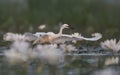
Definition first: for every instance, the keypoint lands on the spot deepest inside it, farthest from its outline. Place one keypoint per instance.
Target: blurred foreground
(79, 65)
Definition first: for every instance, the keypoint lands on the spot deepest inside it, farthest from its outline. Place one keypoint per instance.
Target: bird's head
(65, 26)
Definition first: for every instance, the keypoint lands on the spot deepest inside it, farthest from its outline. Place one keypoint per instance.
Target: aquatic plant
(68, 48)
(19, 52)
(41, 27)
(111, 45)
(49, 54)
(18, 37)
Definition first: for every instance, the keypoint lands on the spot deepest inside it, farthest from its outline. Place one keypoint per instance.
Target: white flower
(18, 37)
(41, 27)
(20, 46)
(14, 57)
(49, 54)
(75, 34)
(68, 48)
(111, 45)
(45, 47)
(113, 60)
(19, 52)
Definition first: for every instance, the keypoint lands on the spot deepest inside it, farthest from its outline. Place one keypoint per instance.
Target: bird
(61, 38)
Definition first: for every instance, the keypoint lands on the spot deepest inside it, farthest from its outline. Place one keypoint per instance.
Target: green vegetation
(86, 16)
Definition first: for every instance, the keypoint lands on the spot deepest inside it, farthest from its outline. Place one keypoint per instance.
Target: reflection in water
(110, 70)
(79, 65)
(112, 60)
(49, 54)
(19, 52)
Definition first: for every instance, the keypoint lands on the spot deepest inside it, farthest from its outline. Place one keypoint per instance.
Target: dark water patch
(82, 64)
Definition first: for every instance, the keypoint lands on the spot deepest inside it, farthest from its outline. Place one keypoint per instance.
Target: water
(78, 64)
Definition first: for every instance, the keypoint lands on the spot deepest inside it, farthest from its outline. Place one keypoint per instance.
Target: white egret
(59, 38)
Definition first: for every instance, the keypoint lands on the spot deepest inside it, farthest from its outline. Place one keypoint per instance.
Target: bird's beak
(67, 27)
(71, 27)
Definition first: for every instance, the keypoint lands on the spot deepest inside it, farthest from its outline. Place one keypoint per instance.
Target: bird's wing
(30, 36)
(39, 34)
(63, 38)
(95, 37)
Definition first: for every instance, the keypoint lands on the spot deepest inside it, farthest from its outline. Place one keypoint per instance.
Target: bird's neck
(61, 29)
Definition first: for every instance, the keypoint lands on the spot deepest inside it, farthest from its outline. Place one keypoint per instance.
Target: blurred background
(86, 16)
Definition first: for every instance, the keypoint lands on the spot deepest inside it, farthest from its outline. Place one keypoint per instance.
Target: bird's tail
(95, 37)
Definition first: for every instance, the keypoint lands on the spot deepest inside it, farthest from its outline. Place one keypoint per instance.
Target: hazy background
(86, 16)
